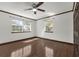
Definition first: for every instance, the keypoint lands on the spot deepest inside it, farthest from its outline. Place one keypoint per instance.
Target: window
(26, 26)
(49, 26)
(19, 26)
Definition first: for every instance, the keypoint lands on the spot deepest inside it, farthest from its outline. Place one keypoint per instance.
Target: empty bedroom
(39, 29)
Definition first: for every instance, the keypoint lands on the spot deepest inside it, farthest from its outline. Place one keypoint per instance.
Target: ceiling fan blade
(41, 10)
(40, 3)
(34, 12)
(28, 9)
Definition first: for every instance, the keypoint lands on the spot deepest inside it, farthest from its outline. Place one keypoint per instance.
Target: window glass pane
(21, 25)
(49, 26)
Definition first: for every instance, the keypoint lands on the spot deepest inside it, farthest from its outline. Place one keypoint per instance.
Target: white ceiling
(50, 7)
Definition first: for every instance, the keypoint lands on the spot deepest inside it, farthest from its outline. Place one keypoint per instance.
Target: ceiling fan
(35, 7)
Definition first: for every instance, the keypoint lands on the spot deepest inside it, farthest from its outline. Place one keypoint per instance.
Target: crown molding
(39, 18)
(16, 15)
(56, 14)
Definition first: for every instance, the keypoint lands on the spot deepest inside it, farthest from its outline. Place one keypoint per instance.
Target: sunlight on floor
(22, 52)
(48, 52)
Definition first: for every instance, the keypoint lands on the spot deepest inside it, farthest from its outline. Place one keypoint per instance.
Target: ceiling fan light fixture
(34, 9)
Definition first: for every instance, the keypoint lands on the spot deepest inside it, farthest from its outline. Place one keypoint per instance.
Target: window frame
(23, 20)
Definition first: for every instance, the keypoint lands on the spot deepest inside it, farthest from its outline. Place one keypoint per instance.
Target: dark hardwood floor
(37, 47)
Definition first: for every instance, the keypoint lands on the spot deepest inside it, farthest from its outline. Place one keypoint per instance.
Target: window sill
(22, 32)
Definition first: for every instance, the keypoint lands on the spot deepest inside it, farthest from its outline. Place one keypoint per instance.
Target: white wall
(63, 28)
(5, 29)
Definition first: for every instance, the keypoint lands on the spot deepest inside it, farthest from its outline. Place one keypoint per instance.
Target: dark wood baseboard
(33, 38)
(17, 41)
(56, 41)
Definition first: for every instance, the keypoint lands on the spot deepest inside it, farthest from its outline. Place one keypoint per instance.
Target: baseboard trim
(33, 38)
(17, 41)
(56, 41)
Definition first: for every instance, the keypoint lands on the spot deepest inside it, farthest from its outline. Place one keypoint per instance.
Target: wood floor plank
(37, 47)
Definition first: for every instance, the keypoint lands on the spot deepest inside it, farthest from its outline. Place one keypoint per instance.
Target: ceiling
(50, 7)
